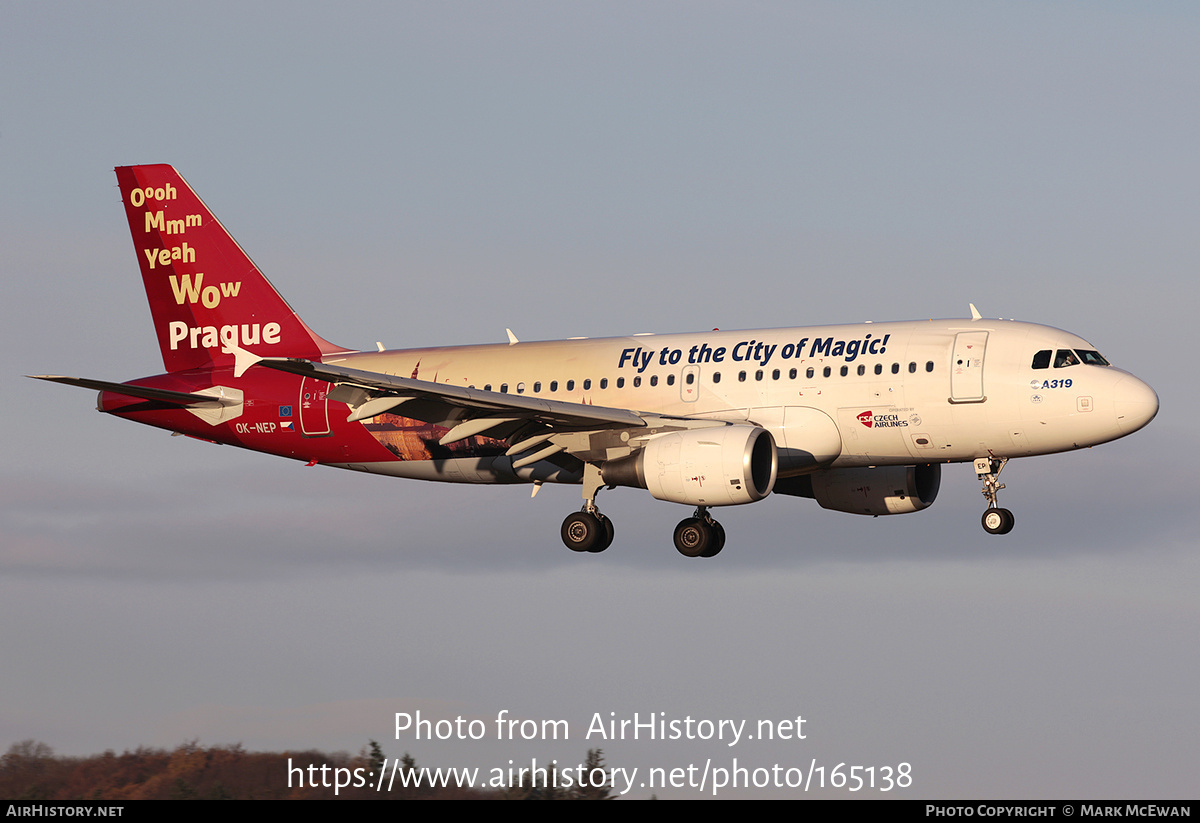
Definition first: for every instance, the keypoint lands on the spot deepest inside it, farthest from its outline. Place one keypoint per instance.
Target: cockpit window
(1064, 358)
(1091, 358)
(1041, 360)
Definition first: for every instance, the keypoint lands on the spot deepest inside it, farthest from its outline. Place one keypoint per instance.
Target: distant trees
(589, 790)
(551, 783)
(29, 770)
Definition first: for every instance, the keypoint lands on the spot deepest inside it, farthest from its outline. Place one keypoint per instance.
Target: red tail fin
(205, 293)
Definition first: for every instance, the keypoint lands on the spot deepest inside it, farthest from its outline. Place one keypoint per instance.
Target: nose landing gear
(995, 519)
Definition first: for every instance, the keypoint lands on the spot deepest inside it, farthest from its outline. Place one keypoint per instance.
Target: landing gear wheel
(998, 521)
(584, 532)
(606, 540)
(693, 537)
(718, 542)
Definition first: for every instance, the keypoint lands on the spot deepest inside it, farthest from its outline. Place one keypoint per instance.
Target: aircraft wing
(535, 427)
(441, 402)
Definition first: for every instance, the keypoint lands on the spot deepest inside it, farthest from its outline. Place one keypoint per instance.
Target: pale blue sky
(433, 173)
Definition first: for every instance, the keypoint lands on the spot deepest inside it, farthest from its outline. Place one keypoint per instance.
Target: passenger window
(895, 368)
(1041, 360)
(792, 374)
(879, 368)
(775, 374)
(758, 375)
(671, 379)
(928, 365)
(912, 368)
(861, 369)
(504, 388)
(691, 378)
(570, 385)
(827, 371)
(845, 370)
(587, 384)
(537, 387)
(654, 380)
(521, 387)
(620, 382)
(553, 385)
(604, 382)
(809, 373)
(637, 382)
(716, 377)
(741, 377)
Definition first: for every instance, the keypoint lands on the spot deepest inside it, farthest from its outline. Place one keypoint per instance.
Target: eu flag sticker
(285, 411)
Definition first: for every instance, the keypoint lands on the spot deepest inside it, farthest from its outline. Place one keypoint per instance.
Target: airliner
(860, 418)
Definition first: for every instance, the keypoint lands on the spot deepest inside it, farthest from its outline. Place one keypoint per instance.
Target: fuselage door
(689, 384)
(966, 367)
(314, 407)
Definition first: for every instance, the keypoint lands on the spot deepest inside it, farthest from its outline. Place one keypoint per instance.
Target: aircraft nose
(1135, 404)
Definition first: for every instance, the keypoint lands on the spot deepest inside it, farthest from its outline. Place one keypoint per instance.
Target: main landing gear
(587, 530)
(700, 535)
(995, 520)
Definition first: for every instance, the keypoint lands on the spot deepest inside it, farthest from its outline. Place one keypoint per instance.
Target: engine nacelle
(874, 491)
(717, 466)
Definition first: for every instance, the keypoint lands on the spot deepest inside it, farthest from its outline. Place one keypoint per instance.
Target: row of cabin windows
(690, 377)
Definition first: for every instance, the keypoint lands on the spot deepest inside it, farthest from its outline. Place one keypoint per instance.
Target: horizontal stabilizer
(177, 398)
(216, 404)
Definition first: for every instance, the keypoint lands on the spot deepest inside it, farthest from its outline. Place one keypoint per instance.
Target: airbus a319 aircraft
(858, 417)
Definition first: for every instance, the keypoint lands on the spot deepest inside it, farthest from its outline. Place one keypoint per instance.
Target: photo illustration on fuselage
(859, 418)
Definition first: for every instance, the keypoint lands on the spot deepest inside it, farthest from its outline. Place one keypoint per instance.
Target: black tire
(582, 532)
(1009, 521)
(718, 543)
(693, 537)
(606, 540)
(998, 521)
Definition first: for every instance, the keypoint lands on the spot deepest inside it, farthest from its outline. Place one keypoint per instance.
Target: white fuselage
(832, 396)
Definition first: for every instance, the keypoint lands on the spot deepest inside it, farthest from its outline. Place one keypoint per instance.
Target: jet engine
(874, 491)
(717, 466)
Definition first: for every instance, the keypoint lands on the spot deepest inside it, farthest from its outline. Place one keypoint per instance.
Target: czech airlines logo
(881, 421)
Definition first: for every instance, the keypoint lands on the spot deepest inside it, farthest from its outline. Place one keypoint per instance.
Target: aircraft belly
(467, 470)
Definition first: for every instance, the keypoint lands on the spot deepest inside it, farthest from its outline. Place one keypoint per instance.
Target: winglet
(975, 315)
(512, 338)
